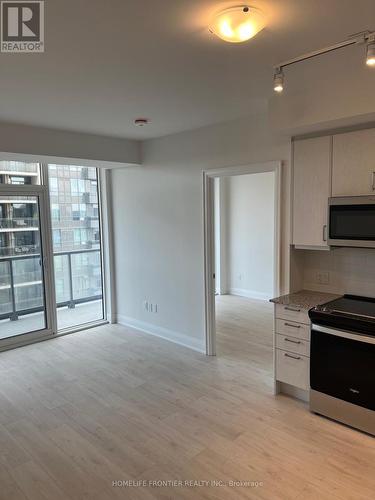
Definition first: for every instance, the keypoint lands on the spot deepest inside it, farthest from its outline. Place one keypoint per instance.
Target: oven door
(342, 365)
(352, 221)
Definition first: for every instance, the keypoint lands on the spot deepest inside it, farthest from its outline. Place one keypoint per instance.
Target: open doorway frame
(209, 237)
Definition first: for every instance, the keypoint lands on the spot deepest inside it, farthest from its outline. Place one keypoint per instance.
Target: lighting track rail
(364, 37)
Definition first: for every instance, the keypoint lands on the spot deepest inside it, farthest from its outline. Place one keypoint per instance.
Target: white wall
(158, 222)
(250, 234)
(221, 247)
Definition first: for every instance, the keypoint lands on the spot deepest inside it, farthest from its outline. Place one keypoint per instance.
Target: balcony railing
(19, 223)
(21, 282)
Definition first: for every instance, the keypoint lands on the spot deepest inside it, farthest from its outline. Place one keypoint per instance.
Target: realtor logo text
(22, 26)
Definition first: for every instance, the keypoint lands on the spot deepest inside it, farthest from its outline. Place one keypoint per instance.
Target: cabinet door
(354, 163)
(312, 186)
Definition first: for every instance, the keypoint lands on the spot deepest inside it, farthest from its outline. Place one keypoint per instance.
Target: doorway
(242, 244)
(51, 260)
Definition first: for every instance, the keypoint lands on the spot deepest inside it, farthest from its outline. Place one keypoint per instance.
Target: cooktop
(352, 305)
(349, 312)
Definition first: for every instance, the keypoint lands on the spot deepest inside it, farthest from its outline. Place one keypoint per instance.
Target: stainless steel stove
(342, 362)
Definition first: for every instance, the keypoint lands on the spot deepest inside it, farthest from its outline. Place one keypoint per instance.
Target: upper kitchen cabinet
(353, 171)
(311, 188)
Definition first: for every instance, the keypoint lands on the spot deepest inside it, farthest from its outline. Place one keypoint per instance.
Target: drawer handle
(291, 356)
(292, 341)
(292, 326)
(291, 309)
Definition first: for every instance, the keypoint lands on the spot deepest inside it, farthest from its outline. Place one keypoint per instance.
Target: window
(53, 185)
(75, 211)
(56, 237)
(55, 212)
(18, 172)
(77, 244)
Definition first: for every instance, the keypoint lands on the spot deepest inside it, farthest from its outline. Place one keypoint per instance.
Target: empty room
(187, 250)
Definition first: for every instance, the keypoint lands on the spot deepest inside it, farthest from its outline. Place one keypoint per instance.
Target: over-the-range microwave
(351, 221)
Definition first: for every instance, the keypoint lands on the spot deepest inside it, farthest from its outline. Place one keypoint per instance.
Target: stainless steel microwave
(351, 221)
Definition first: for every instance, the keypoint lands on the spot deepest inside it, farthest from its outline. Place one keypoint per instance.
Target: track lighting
(364, 37)
(278, 81)
(370, 55)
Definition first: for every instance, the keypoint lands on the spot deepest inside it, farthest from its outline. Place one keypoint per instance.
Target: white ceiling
(107, 63)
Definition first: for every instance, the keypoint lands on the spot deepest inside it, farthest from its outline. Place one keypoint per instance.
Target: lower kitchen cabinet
(292, 350)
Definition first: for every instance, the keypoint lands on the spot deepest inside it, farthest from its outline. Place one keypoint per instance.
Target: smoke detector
(141, 122)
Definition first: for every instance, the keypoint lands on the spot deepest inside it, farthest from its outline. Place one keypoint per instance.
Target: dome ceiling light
(364, 37)
(238, 24)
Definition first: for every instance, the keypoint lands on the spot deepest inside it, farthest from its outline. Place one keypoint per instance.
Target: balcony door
(26, 307)
(51, 278)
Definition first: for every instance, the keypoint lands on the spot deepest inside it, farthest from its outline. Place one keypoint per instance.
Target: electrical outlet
(322, 277)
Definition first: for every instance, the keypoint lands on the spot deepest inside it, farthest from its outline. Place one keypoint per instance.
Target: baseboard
(163, 333)
(250, 294)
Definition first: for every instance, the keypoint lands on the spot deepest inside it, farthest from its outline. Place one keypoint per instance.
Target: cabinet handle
(291, 309)
(291, 356)
(292, 326)
(292, 341)
(373, 181)
(325, 225)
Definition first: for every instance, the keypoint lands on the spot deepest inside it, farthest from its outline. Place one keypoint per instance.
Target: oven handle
(346, 335)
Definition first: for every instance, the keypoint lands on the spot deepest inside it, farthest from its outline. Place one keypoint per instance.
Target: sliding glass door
(50, 250)
(24, 309)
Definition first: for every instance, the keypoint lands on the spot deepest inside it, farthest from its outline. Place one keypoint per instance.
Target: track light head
(278, 81)
(370, 54)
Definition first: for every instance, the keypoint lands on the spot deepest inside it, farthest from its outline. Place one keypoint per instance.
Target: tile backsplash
(348, 270)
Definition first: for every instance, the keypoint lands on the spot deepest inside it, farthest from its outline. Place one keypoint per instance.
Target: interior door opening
(244, 215)
(242, 257)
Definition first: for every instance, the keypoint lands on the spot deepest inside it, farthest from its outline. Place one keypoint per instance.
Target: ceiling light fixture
(364, 37)
(370, 53)
(278, 81)
(238, 24)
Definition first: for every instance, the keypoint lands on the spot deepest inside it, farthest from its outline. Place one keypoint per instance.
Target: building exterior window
(18, 172)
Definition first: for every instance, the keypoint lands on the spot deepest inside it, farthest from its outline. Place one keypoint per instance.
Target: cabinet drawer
(298, 346)
(293, 369)
(299, 330)
(292, 313)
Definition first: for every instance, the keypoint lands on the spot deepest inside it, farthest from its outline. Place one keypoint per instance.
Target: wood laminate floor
(111, 404)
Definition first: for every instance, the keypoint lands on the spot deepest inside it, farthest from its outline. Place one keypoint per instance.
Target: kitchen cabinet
(353, 166)
(292, 346)
(311, 190)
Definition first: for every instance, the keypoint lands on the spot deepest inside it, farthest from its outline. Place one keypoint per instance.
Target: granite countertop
(306, 299)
